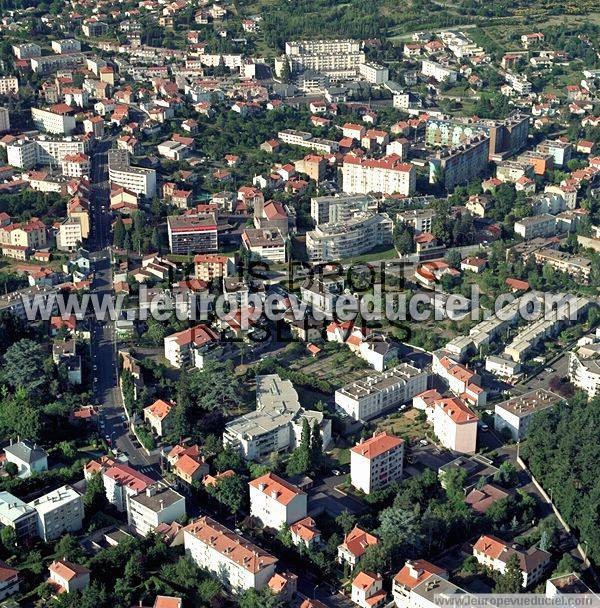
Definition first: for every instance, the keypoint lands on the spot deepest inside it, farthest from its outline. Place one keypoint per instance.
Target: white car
(423, 442)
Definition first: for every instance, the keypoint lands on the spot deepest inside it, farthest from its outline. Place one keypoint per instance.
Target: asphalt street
(113, 421)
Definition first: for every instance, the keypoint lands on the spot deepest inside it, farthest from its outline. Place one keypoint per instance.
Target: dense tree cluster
(562, 451)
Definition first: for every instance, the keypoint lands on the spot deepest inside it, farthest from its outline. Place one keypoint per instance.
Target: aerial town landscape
(299, 303)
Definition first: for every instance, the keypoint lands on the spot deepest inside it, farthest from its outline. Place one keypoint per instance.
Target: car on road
(549, 369)
(336, 472)
(485, 428)
(423, 442)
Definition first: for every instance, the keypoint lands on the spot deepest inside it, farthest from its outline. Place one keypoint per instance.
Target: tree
(182, 409)
(119, 233)
(68, 548)
(300, 460)
(230, 492)
(11, 469)
(316, 448)
(507, 475)
(24, 367)
(94, 499)
(345, 520)
(566, 565)
(453, 258)
(512, 579)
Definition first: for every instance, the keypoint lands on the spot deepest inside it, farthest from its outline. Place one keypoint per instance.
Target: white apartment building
(276, 502)
(514, 415)
(18, 515)
(121, 482)
(387, 176)
(26, 50)
(306, 140)
(76, 165)
(4, 120)
(70, 234)
(340, 207)
(584, 373)
(67, 45)
(420, 220)
(190, 347)
(374, 73)
(236, 562)
(9, 85)
(376, 462)
(154, 506)
(455, 425)
(438, 72)
(266, 244)
(137, 179)
(359, 234)
(58, 512)
(276, 424)
(339, 58)
(27, 153)
(9, 580)
(536, 226)
(494, 553)
(51, 63)
(375, 394)
(52, 122)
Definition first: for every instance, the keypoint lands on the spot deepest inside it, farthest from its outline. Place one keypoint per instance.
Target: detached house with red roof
(354, 546)
(376, 462)
(187, 463)
(367, 590)
(9, 580)
(276, 502)
(159, 416)
(305, 532)
(494, 553)
(413, 573)
(66, 577)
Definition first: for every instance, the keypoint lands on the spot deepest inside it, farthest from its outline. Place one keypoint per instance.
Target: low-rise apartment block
(58, 512)
(378, 393)
(376, 462)
(137, 179)
(276, 424)
(190, 347)
(192, 233)
(455, 425)
(236, 562)
(276, 502)
(357, 235)
(388, 175)
(58, 122)
(584, 369)
(514, 415)
(156, 505)
(19, 516)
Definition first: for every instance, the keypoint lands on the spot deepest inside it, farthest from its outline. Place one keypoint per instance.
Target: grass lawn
(404, 424)
(379, 253)
(341, 456)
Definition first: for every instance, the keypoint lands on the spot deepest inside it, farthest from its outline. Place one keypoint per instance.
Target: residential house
(276, 502)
